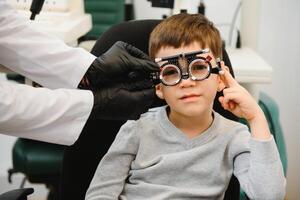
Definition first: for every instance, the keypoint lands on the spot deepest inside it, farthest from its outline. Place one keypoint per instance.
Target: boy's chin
(194, 112)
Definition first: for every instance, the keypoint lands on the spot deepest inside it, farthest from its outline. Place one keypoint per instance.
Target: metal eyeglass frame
(190, 57)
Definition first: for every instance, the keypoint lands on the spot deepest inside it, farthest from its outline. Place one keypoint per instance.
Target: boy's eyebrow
(182, 55)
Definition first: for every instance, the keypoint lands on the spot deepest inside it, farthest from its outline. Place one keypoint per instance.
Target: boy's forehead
(170, 55)
(167, 51)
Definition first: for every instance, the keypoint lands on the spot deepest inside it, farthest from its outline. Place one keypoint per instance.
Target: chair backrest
(105, 13)
(137, 33)
(271, 111)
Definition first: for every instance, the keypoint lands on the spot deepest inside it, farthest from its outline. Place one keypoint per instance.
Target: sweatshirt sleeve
(112, 171)
(258, 167)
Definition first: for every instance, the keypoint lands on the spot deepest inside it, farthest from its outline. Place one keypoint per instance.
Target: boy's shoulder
(152, 112)
(151, 116)
(147, 122)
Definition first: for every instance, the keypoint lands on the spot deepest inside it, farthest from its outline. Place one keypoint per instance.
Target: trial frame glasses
(198, 68)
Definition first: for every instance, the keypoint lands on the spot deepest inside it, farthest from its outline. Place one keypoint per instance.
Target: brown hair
(184, 29)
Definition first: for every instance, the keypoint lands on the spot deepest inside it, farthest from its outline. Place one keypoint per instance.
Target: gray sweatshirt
(152, 159)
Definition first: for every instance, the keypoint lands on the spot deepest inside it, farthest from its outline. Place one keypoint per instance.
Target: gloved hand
(122, 101)
(120, 63)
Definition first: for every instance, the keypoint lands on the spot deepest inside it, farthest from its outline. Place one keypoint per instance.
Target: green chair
(270, 109)
(40, 162)
(105, 13)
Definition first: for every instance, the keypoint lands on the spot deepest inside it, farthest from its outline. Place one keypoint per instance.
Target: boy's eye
(170, 72)
(199, 67)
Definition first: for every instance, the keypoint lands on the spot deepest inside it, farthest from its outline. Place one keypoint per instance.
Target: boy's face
(189, 98)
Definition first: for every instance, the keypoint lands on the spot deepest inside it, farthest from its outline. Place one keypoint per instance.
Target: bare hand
(237, 99)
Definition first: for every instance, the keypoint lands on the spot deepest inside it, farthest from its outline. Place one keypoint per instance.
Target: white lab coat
(56, 116)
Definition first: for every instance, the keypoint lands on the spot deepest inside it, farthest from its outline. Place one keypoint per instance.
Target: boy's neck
(192, 126)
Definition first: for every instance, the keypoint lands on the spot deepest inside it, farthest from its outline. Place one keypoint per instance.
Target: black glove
(122, 101)
(120, 63)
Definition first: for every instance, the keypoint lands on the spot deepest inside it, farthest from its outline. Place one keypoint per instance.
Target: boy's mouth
(189, 96)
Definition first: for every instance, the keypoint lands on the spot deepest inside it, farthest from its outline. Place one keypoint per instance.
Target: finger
(223, 104)
(146, 64)
(144, 98)
(229, 90)
(226, 77)
(138, 85)
(232, 105)
(232, 97)
(132, 50)
(138, 101)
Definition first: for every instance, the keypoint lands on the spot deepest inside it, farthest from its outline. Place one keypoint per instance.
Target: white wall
(279, 45)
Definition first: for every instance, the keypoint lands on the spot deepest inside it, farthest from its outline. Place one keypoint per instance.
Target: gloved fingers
(138, 85)
(144, 61)
(133, 51)
(118, 103)
(147, 66)
(144, 99)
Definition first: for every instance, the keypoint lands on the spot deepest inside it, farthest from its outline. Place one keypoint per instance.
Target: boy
(185, 150)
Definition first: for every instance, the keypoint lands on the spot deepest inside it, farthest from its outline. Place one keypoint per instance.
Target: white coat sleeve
(38, 56)
(55, 116)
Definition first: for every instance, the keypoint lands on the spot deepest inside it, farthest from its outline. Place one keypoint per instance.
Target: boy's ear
(159, 92)
(221, 84)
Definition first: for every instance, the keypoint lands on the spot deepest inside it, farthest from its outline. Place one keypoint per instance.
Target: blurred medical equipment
(162, 3)
(36, 7)
(65, 19)
(176, 4)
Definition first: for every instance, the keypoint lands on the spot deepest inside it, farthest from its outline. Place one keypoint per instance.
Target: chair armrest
(17, 194)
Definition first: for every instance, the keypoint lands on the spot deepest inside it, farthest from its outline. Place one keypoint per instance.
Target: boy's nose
(185, 75)
(187, 82)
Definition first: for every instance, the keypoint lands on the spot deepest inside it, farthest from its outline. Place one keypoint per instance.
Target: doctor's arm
(55, 116)
(58, 116)
(49, 62)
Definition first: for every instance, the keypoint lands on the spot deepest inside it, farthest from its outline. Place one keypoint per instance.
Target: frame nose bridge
(184, 65)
